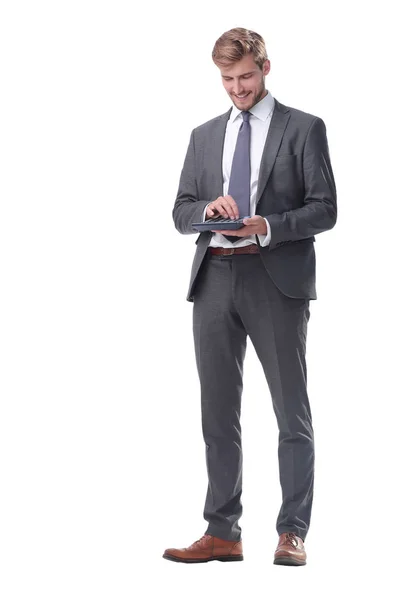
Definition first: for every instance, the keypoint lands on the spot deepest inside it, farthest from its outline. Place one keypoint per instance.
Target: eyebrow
(243, 74)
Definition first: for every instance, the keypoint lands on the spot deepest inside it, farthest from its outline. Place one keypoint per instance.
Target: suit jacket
(296, 193)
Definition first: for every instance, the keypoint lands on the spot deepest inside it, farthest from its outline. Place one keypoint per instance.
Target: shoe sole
(289, 562)
(202, 560)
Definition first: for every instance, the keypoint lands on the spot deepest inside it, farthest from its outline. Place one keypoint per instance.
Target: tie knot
(245, 115)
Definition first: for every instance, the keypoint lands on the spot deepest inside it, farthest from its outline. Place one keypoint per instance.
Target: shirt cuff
(204, 212)
(265, 239)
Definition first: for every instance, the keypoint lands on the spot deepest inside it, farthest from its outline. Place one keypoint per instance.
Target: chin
(249, 102)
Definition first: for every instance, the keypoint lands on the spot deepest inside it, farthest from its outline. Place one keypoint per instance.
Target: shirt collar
(261, 110)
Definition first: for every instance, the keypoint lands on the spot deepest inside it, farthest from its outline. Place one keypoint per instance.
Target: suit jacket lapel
(217, 146)
(278, 124)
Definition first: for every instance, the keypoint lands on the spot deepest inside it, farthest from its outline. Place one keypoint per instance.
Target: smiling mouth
(242, 97)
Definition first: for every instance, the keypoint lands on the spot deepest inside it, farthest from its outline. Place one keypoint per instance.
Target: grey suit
(265, 296)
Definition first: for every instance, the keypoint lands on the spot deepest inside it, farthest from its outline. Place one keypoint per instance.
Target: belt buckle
(228, 251)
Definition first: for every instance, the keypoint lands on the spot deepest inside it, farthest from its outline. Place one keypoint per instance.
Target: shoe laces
(291, 538)
(204, 537)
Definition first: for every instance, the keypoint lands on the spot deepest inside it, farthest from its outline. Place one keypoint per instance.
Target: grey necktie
(240, 176)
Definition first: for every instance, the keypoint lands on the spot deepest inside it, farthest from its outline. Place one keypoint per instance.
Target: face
(244, 78)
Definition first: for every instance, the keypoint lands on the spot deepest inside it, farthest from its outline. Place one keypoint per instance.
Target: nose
(238, 89)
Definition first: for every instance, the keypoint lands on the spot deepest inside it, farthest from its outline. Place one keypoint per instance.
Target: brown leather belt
(249, 249)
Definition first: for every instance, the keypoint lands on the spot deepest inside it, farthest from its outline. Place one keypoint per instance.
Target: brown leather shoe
(290, 550)
(206, 549)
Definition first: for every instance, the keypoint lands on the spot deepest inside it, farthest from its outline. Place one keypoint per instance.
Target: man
(269, 161)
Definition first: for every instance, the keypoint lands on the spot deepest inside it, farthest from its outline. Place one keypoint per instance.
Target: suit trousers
(235, 298)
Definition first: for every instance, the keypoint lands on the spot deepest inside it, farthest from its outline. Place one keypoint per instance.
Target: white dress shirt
(260, 119)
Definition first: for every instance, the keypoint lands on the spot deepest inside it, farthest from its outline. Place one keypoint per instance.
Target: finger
(232, 212)
(233, 206)
(221, 206)
(218, 211)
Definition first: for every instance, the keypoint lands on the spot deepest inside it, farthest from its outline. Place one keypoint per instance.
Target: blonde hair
(237, 43)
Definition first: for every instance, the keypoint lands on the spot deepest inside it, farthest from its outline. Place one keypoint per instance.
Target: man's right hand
(224, 206)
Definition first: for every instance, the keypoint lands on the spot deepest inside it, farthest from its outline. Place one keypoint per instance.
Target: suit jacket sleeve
(319, 212)
(188, 207)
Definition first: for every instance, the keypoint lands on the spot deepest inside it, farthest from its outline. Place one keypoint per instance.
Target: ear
(266, 67)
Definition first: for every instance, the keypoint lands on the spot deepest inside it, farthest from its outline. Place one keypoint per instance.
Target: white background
(102, 456)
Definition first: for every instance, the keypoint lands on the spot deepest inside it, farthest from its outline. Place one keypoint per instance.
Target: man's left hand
(253, 225)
